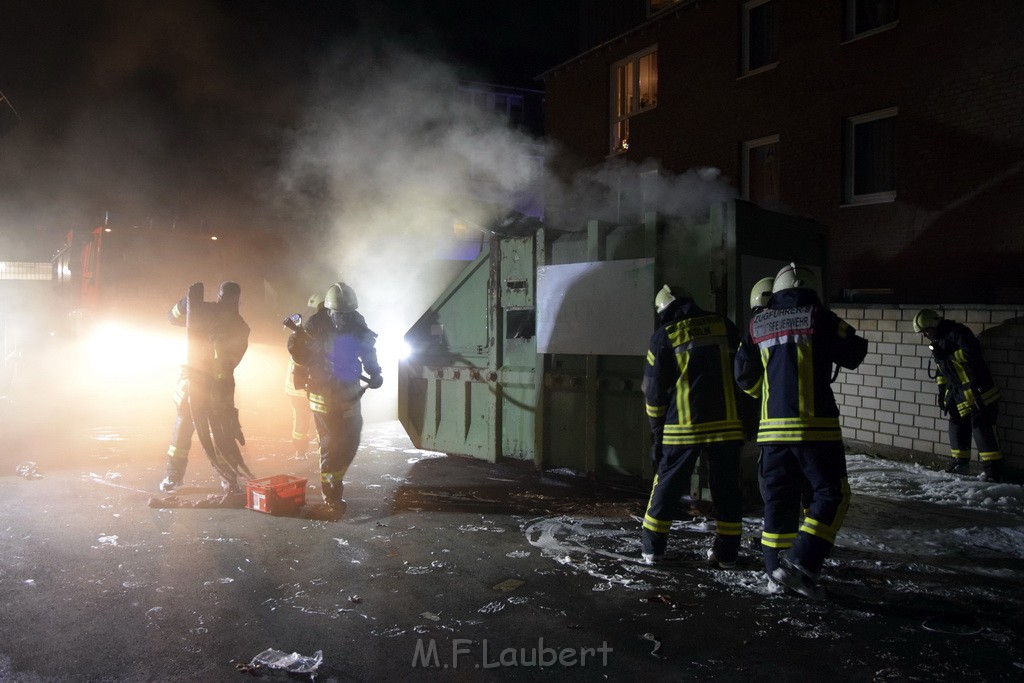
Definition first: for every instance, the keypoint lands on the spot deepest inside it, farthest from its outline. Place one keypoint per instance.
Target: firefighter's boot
(724, 551)
(175, 473)
(959, 466)
(333, 494)
(993, 470)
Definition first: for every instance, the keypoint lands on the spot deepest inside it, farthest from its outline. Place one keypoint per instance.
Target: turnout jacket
(786, 360)
(223, 333)
(335, 355)
(688, 387)
(965, 382)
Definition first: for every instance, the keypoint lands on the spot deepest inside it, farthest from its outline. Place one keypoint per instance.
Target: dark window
(870, 152)
(865, 16)
(760, 35)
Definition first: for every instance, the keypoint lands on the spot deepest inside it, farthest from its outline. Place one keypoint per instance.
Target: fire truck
(133, 275)
(114, 287)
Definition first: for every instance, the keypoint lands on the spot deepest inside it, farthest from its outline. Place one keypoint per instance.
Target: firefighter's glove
(943, 398)
(376, 381)
(973, 398)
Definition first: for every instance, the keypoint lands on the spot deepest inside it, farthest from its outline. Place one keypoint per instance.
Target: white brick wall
(888, 404)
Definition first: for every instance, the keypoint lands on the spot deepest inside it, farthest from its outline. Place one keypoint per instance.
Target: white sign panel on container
(601, 308)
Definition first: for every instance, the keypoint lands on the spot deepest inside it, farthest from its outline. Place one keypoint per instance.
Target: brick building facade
(900, 126)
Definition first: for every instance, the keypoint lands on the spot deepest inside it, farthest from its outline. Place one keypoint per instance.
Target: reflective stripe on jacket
(786, 360)
(688, 387)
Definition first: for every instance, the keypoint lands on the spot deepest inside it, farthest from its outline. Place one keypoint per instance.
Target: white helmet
(761, 292)
(315, 300)
(341, 298)
(925, 319)
(794, 276)
(667, 294)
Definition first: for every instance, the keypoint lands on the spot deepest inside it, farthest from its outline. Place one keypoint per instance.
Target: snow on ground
(909, 529)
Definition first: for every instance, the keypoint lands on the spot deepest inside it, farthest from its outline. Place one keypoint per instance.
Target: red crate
(280, 494)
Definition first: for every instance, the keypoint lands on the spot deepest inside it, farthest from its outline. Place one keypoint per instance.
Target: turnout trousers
(982, 425)
(301, 419)
(818, 470)
(181, 435)
(339, 426)
(672, 482)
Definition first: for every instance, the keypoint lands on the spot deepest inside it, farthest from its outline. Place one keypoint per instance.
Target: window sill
(864, 200)
(872, 32)
(758, 70)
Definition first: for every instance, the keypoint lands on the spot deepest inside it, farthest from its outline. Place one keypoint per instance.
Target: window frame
(850, 21)
(850, 124)
(745, 38)
(748, 146)
(618, 131)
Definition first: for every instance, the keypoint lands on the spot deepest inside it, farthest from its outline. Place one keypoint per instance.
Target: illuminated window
(863, 17)
(869, 150)
(760, 36)
(761, 170)
(21, 270)
(634, 90)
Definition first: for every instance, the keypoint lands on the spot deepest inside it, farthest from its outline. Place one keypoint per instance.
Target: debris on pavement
(292, 663)
(508, 585)
(29, 470)
(667, 599)
(657, 645)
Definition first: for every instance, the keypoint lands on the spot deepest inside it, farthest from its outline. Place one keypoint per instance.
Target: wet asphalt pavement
(442, 568)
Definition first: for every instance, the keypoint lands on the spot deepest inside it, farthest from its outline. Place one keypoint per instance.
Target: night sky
(188, 113)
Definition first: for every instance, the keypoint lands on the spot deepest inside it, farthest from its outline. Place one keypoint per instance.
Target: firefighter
(208, 380)
(338, 348)
(295, 388)
(693, 409)
(967, 394)
(786, 360)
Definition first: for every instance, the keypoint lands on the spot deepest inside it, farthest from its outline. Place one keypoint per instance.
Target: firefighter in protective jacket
(337, 347)
(295, 380)
(209, 380)
(693, 408)
(786, 360)
(967, 393)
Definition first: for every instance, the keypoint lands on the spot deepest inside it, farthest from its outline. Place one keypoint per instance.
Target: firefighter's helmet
(926, 319)
(230, 293)
(316, 299)
(793, 276)
(761, 292)
(341, 298)
(667, 294)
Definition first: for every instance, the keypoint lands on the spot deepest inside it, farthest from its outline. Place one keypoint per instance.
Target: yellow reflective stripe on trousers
(989, 456)
(728, 528)
(651, 523)
(824, 531)
(333, 477)
(777, 540)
